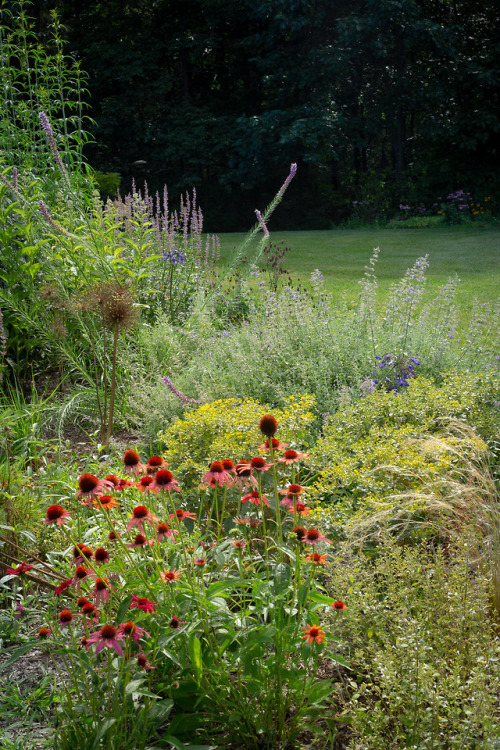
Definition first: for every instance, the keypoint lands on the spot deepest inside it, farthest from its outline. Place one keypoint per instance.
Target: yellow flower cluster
(229, 428)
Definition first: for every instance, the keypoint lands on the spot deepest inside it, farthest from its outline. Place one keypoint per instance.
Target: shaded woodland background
(378, 101)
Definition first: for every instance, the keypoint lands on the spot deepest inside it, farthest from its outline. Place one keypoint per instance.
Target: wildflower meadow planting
(234, 512)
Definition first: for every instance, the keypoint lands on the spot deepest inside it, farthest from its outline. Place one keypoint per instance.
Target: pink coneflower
(164, 480)
(81, 574)
(168, 576)
(108, 636)
(106, 502)
(268, 425)
(113, 536)
(56, 514)
(81, 601)
(313, 536)
(133, 630)
(254, 522)
(182, 514)
(101, 555)
(260, 464)
(90, 486)
(199, 561)
(227, 464)
(164, 531)
(244, 475)
(143, 661)
(44, 632)
(217, 475)
(101, 591)
(240, 520)
(339, 606)
(23, 568)
(292, 493)
(316, 559)
(144, 483)
(154, 463)
(291, 457)
(238, 544)
(313, 633)
(142, 603)
(254, 498)
(132, 463)
(140, 514)
(63, 586)
(90, 611)
(113, 479)
(65, 618)
(276, 445)
(140, 541)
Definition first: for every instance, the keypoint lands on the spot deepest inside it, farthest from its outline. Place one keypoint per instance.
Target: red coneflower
(255, 498)
(291, 457)
(65, 617)
(44, 632)
(218, 475)
(164, 480)
(132, 463)
(63, 586)
(313, 536)
(80, 552)
(140, 514)
(142, 603)
(90, 486)
(105, 501)
(81, 601)
(164, 531)
(276, 445)
(101, 555)
(313, 633)
(106, 636)
(170, 575)
(268, 425)
(316, 559)
(199, 561)
(113, 536)
(101, 591)
(23, 568)
(339, 606)
(122, 484)
(300, 532)
(154, 463)
(175, 623)
(300, 508)
(144, 483)
(56, 514)
(260, 464)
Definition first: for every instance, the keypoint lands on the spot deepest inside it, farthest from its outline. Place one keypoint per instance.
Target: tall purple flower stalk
(46, 215)
(47, 129)
(177, 392)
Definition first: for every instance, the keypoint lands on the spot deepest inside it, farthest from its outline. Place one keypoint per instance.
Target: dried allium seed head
(117, 307)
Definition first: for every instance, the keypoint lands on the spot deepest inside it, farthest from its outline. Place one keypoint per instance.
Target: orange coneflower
(167, 576)
(313, 633)
(316, 559)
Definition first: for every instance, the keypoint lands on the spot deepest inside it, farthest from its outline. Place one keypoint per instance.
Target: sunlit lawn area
(341, 255)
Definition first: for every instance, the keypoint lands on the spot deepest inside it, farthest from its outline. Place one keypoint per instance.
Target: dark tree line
(378, 101)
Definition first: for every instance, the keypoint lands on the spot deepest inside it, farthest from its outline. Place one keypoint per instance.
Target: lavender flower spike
(261, 222)
(47, 129)
(177, 392)
(293, 172)
(46, 215)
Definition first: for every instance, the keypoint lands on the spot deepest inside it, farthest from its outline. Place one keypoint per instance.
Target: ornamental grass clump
(194, 615)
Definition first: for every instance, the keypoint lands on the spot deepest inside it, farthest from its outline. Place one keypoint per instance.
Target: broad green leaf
(194, 648)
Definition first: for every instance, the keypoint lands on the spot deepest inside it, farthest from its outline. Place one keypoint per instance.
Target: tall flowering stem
(47, 129)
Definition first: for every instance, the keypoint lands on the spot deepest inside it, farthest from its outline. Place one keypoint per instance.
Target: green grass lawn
(341, 255)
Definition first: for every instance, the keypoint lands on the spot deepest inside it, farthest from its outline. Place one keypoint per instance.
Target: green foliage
(228, 428)
(108, 183)
(422, 646)
(376, 456)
